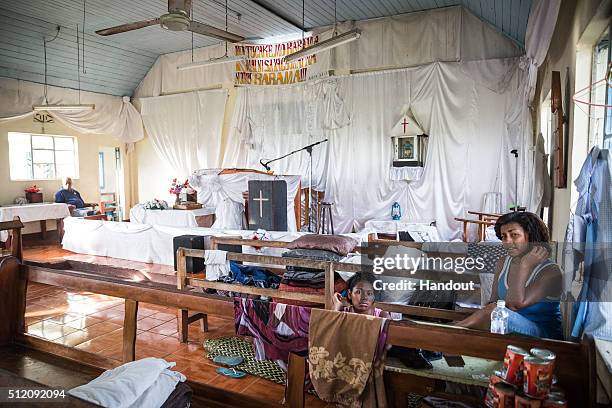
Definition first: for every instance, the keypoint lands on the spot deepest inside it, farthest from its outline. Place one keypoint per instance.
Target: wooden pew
(14, 342)
(574, 371)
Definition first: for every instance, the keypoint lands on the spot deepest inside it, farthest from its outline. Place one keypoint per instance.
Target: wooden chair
(484, 220)
(108, 205)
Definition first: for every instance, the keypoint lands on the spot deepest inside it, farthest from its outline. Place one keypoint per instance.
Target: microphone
(264, 164)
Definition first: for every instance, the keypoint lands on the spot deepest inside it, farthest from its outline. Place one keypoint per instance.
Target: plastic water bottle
(499, 318)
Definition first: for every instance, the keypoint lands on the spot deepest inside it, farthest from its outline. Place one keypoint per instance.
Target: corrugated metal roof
(116, 64)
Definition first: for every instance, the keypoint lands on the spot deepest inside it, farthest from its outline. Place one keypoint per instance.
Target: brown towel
(346, 358)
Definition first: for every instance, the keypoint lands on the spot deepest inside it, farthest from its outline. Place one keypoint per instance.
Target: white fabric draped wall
(270, 122)
(185, 130)
(113, 115)
(473, 106)
(467, 123)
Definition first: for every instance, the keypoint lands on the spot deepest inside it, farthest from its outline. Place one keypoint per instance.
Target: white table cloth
(153, 243)
(391, 227)
(169, 217)
(406, 173)
(33, 212)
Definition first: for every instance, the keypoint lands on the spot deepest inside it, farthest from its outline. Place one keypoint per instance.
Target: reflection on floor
(93, 323)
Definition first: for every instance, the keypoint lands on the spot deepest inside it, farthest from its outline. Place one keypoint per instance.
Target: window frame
(606, 137)
(75, 151)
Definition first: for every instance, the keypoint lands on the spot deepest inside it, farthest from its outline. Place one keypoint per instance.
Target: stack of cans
(525, 381)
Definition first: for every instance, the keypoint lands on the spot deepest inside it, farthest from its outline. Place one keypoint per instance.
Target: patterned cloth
(277, 328)
(346, 356)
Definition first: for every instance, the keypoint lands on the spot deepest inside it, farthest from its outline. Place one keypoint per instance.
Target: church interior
(316, 203)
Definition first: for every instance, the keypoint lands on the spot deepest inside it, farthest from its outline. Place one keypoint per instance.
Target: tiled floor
(94, 323)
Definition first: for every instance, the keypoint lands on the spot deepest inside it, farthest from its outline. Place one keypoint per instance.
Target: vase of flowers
(176, 189)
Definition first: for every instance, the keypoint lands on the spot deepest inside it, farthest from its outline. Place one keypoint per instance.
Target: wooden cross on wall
(405, 123)
(261, 200)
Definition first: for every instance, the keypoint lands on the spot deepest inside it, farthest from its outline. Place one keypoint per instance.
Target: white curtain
(269, 122)
(540, 28)
(470, 127)
(185, 130)
(112, 115)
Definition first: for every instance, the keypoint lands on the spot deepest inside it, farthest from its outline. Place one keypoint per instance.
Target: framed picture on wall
(408, 150)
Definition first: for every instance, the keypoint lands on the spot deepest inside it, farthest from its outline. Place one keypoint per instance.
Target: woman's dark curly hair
(535, 228)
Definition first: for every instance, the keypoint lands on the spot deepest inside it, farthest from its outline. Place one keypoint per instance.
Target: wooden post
(183, 325)
(129, 330)
(12, 300)
(181, 268)
(183, 314)
(16, 242)
(296, 373)
(43, 229)
(329, 286)
(60, 229)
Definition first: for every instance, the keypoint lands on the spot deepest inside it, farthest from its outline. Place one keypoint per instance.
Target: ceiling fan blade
(211, 31)
(127, 27)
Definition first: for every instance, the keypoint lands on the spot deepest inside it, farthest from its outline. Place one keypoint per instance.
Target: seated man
(73, 198)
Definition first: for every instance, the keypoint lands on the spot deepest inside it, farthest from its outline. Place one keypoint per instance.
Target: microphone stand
(515, 153)
(309, 150)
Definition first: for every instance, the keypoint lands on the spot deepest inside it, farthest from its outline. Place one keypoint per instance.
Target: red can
(554, 401)
(544, 355)
(491, 397)
(523, 401)
(504, 395)
(513, 365)
(537, 377)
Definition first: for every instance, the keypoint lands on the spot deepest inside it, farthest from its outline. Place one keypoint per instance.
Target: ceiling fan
(177, 19)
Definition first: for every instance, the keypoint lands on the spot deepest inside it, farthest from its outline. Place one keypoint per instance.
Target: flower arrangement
(177, 187)
(32, 189)
(156, 204)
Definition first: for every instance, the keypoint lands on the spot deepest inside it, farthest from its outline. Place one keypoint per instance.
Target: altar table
(201, 217)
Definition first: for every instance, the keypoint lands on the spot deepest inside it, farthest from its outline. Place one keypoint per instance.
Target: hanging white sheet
(113, 115)
(185, 129)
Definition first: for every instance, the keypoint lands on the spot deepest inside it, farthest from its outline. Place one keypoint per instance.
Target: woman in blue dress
(526, 279)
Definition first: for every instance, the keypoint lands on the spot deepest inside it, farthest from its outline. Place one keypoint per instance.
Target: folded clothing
(251, 275)
(339, 286)
(216, 263)
(311, 254)
(142, 383)
(299, 278)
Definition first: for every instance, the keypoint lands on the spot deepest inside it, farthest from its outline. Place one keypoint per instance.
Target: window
(597, 131)
(101, 170)
(42, 157)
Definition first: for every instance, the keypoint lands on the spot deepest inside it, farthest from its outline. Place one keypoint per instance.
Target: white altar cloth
(33, 212)
(391, 227)
(153, 243)
(224, 192)
(169, 217)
